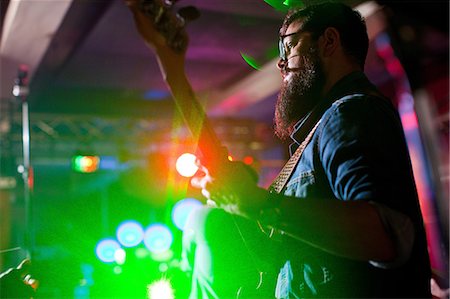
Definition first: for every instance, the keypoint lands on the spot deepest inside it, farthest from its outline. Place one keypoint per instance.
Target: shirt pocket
(299, 184)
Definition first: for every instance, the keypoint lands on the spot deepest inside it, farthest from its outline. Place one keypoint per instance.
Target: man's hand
(171, 63)
(169, 37)
(145, 26)
(233, 187)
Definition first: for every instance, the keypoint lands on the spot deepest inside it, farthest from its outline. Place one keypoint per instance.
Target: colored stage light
(106, 250)
(85, 164)
(130, 233)
(160, 289)
(158, 238)
(186, 165)
(120, 256)
(248, 160)
(182, 210)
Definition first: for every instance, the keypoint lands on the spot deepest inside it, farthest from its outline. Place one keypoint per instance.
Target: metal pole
(20, 91)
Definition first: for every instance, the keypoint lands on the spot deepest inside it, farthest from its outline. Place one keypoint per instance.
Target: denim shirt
(342, 159)
(358, 152)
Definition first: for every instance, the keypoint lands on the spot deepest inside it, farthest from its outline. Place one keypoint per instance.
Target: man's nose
(281, 64)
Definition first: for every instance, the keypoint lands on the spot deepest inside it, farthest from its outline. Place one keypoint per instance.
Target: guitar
(164, 32)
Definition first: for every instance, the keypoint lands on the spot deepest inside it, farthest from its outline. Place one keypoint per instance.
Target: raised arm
(171, 61)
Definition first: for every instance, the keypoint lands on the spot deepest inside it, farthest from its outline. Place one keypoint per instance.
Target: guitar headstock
(169, 24)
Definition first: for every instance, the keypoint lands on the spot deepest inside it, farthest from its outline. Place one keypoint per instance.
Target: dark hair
(348, 22)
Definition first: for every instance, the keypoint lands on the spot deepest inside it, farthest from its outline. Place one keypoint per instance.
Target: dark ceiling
(96, 63)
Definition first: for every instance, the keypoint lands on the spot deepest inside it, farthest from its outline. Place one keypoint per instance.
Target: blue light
(106, 250)
(130, 233)
(182, 210)
(158, 238)
(109, 163)
(156, 95)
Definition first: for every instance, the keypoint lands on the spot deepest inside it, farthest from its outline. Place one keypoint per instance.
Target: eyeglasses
(282, 47)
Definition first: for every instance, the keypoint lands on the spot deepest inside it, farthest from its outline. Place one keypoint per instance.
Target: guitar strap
(285, 174)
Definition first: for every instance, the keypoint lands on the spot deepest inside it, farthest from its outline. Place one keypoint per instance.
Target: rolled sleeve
(401, 230)
(353, 151)
(358, 149)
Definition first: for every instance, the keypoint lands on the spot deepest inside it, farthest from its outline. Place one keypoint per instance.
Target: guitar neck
(164, 32)
(213, 153)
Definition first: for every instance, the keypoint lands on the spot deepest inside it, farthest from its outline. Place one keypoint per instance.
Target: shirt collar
(351, 83)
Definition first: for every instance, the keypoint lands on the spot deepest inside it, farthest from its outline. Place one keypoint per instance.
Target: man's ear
(331, 40)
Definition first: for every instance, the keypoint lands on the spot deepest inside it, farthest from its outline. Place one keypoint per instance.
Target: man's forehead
(294, 27)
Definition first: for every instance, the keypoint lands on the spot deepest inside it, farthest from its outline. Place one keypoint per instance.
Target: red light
(248, 160)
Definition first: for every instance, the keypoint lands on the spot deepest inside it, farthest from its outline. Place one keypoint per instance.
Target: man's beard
(299, 95)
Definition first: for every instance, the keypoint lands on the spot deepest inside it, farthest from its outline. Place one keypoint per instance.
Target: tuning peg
(189, 13)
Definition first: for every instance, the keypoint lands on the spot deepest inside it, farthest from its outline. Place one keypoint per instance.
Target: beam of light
(251, 61)
(160, 289)
(186, 165)
(130, 233)
(283, 6)
(158, 238)
(293, 4)
(276, 4)
(182, 210)
(106, 250)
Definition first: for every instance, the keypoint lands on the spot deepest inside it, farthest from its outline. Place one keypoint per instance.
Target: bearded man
(342, 219)
(346, 222)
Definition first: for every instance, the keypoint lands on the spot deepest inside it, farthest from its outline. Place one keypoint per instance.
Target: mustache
(291, 69)
(286, 69)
